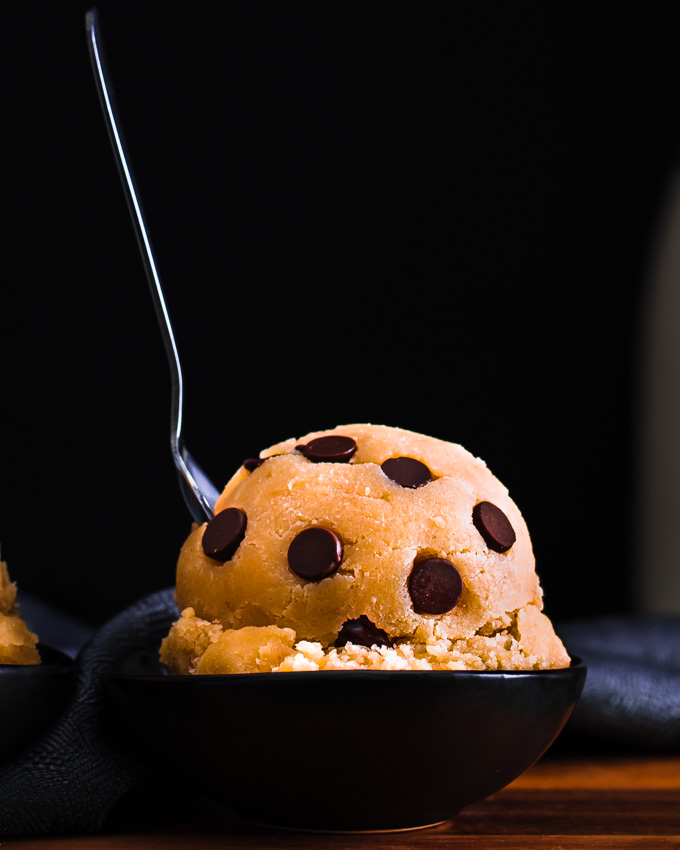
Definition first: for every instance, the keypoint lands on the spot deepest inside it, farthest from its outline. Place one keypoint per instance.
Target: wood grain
(564, 803)
(607, 773)
(433, 841)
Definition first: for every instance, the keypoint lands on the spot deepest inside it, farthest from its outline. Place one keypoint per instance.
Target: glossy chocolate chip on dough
(335, 448)
(406, 471)
(315, 553)
(435, 586)
(224, 533)
(362, 632)
(494, 526)
(252, 463)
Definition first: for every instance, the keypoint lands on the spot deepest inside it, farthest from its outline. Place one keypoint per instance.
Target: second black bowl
(31, 696)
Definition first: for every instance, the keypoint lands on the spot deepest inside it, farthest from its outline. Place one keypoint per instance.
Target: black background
(436, 216)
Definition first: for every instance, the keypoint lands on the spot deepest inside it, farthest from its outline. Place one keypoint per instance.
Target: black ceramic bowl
(346, 750)
(31, 696)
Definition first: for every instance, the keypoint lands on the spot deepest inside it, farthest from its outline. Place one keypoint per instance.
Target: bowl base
(342, 831)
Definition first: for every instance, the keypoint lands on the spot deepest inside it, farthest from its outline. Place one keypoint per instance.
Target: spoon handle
(199, 493)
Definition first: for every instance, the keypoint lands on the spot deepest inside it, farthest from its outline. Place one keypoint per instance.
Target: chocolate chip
(435, 586)
(363, 633)
(334, 448)
(252, 463)
(224, 533)
(315, 553)
(406, 471)
(494, 526)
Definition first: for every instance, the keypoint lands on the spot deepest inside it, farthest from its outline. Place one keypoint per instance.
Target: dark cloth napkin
(632, 691)
(72, 778)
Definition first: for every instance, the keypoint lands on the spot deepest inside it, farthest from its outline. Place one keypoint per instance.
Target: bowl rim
(577, 668)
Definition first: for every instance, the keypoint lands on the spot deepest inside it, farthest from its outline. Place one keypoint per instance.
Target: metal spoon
(198, 491)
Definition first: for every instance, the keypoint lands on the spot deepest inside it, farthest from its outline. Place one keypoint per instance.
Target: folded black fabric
(632, 691)
(72, 778)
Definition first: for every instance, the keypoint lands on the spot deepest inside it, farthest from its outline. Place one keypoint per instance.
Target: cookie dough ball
(17, 643)
(366, 539)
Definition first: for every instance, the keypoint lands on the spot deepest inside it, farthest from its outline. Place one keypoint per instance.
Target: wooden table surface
(565, 801)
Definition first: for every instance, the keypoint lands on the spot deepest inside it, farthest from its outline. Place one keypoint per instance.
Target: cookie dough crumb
(252, 649)
(187, 641)
(264, 649)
